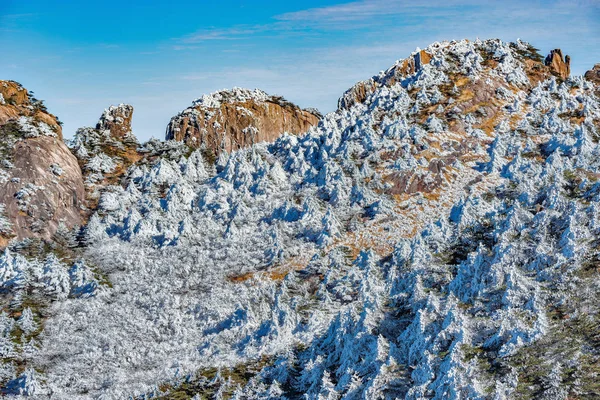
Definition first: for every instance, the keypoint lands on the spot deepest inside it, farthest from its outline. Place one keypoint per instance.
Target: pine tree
(330, 230)
(26, 321)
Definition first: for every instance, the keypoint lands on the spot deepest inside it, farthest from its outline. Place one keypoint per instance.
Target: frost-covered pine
(330, 230)
(7, 347)
(7, 369)
(83, 280)
(65, 237)
(276, 249)
(55, 278)
(275, 391)
(327, 391)
(27, 322)
(552, 384)
(5, 225)
(26, 384)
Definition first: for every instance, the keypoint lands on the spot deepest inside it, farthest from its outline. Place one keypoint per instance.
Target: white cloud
(233, 33)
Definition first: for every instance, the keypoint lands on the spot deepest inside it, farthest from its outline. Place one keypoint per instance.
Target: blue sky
(82, 56)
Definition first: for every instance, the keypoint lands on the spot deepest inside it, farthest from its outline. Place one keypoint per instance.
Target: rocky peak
(21, 107)
(116, 120)
(232, 119)
(558, 65)
(106, 151)
(12, 93)
(419, 199)
(593, 75)
(529, 66)
(41, 187)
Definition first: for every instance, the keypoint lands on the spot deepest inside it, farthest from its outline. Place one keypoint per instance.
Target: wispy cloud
(373, 12)
(385, 16)
(369, 9)
(233, 33)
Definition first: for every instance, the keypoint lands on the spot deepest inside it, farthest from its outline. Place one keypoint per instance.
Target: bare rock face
(593, 75)
(558, 65)
(232, 119)
(41, 185)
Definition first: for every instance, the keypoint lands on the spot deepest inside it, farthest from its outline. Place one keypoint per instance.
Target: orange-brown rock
(233, 119)
(593, 75)
(117, 120)
(16, 101)
(558, 65)
(41, 185)
(13, 94)
(421, 58)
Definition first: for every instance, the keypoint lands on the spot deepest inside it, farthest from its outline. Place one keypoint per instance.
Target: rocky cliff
(233, 119)
(41, 185)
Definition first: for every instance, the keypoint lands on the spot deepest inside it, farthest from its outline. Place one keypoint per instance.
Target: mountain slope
(432, 238)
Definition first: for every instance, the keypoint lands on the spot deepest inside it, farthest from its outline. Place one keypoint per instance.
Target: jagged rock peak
(232, 119)
(117, 120)
(558, 65)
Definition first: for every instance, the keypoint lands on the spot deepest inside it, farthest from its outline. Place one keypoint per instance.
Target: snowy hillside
(433, 238)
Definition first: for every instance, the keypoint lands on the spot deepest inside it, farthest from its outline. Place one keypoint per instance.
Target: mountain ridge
(432, 238)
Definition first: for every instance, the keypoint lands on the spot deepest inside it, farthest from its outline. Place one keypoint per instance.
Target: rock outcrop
(106, 151)
(593, 75)
(117, 121)
(232, 119)
(41, 185)
(558, 65)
